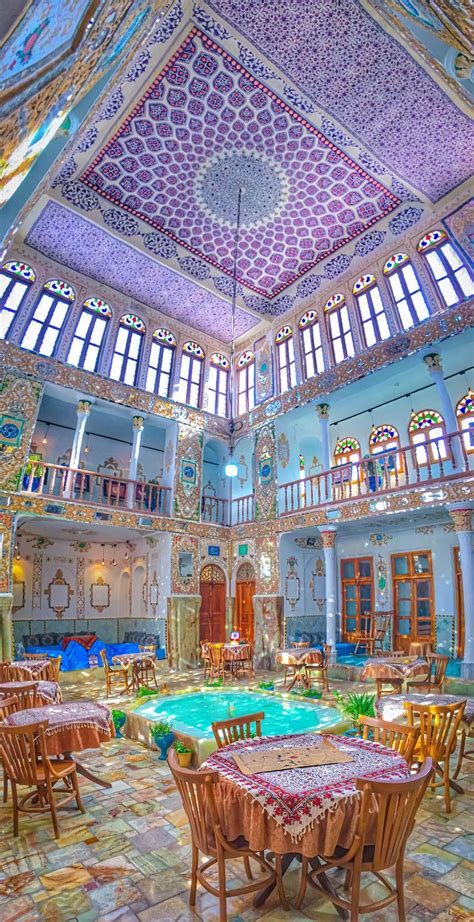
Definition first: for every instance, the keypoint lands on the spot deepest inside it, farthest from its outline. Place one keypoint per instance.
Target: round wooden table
(28, 670)
(49, 692)
(395, 671)
(296, 658)
(138, 662)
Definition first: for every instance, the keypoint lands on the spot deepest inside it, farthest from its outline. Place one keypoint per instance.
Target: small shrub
(161, 728)
(266, 686)
(356, 704)
(216, 683)
(180, 747)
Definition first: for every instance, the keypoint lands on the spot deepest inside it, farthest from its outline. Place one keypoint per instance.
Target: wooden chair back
(216, 654)
(196, 789)
(105, 663)
(147, 648)
(326, 647)
(5, 672)
(438, 724)
(34, 656)
(438, 665)
(398, 802)
(299, 644)
(237, 728)
(7, 706)
(398, 737)
(55, 667)
(26, 696)
(19, 748)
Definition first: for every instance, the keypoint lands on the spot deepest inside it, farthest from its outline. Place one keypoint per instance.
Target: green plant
(34, 467)
(117, 715)
(308, 693)
(144, 692)
(355, 704)
(216, 683)
(180, 747)
(161, 728)
(266, 686)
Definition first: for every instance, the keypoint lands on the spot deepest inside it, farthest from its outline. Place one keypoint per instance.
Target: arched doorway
(212, 616)
(244, 593)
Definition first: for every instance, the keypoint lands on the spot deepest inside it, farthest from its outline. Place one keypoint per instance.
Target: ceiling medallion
(264, 188)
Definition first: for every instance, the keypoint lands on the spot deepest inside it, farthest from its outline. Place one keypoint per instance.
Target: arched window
(47, 320)
(410, 301)
(89, 334)
(447, 268)
(190, 374)
(218, 384)
(385, 440)
(286, 365)
(347, 451)
(246, 386)
(160, 363)
(427, 433)
(128, 348)
(371, 309)
(312, 347)
(465, 415)
(15, 280)
(339, 328)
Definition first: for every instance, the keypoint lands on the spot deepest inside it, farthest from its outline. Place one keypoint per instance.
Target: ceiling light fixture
(126, 555)
(231, 469)
(114, 562)
(45, 437)
(103, 554)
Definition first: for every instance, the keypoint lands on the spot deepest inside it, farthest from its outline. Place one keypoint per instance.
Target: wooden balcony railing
(107, 490)
(215, 510)
(431, 462)
(243, 509)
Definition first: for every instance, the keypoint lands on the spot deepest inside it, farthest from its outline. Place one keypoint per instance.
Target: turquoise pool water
(453, 670)
(193, 714)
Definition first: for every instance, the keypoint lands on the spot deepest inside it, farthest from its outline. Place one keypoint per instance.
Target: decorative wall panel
(265, 460)
(184, 579)
(19, 397)
(187, 496)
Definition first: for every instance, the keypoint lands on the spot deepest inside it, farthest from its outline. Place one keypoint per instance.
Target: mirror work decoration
(100, 594)
(59, 594)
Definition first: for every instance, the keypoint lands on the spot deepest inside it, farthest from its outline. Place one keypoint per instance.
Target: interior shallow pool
(192, 714)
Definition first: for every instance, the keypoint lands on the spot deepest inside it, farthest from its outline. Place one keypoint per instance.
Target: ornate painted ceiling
(339, 139)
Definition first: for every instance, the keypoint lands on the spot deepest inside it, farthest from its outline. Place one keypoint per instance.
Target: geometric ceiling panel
(78, 243)
(205, 127)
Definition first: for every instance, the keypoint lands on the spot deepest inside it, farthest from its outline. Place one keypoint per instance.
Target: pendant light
(231, 469)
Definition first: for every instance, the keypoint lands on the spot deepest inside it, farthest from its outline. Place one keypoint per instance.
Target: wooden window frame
(187, 379)
(450, 273)
(158, 368)
(222, 374)
(373, 317)
(13, 280)
(399, 273)
(413, 577)
(86, 340)
(357, 580)
(126, 354)
(46, 323)
(315, 350)
(288, 363)
(247, 392)
(429, 449)
(342, 336)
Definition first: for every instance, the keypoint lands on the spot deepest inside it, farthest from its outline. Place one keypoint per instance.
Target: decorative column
(329, 536)
(138, 423)
(6, 596)
(462, 525)
(435, 368)
(83, 409)
(322, 409)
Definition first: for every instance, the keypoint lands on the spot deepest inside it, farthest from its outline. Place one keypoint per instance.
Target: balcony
(429, 463)
(106, 490)
(223, 512)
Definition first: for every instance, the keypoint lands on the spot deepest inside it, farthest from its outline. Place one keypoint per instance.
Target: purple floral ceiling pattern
(81, 245)
(205, 127)
(347, 64)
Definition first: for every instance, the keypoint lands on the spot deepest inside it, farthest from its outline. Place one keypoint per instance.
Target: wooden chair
(290, 670)
(398, 737)
(147, 667)
(381, 628)
(19, 750)
(206, 658)
(216, 661)
(5, 672)
(196, 789)
(320, 670)
(299, 644)
(395, 686)
(237, 728)
(438, 726)
(34, 656)
(117, 674)
(375, 849)
(25, 697)
(54, 667)
(366, 638)
(435, 681)
(244, 663)
(7, 706)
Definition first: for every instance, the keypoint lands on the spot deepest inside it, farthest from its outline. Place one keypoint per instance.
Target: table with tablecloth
(307, 810)
(137, 661)
(390, 707)
(47, 691)
(24, 670)
(386, 668)
(296, 658)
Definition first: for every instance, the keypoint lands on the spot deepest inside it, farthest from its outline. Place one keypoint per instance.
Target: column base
(268, 629)
(183, 631)
(467, 670)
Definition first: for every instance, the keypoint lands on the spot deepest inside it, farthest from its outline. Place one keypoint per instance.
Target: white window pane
(310, 369)
(465, 281)
(320, 360)
(98, 331)
(212, 380)
(154, 353)
(405, 316)
(130, 371)
(383, 326)
(334, 323)
(116, 367)
(90, 361)
(293, 374)
(15, 295)
(194, 395)
(164, 385)
(241, 403)
(43, 306)
(4, 283)
(83, 324)
(410, 278)
(420, 305)
(453, 259)
(369, 333)
(291, 349)
(364, 307)
(6, 319)
(396, 286)
(121, 341)
(251, 397)
(31, 334)
(185, 363)
(437, 267)
(166, 360)
(75, 352)
(345, 319)
(349, 344)
(317, 334)
(150, 380)
(447, 289)
(221, 405)
(49, 341)
(338, 351)
(251, 375)
(283, 379)
(181, 390)
(196, 366)
(59, 314)
(376, 299)
(135, 343)
(223, 382)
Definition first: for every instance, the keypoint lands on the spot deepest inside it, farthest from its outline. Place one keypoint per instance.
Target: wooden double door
(244, 593)
(212, 614)
(413, 596)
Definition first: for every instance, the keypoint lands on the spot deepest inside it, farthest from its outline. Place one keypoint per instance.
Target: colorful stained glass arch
(432, 239)
(423, 419)
(220, 360)
(383, 433)
(365, 281)
(284, 333)
(395, 261)
(133, 323)
(60, 289)
(245, 359)
(334, 301)
(307, 320)
(466, 405)
(345, 445)
(192, 348)
(22, 270)
(164, 336)
(98, 306)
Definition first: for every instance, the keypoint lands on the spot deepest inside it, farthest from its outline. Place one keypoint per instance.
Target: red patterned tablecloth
(297, 656)
(303, 808)
(49, 692)
(237, 651)
(383, 667)
(24, 669)
(390, 707)
(72, 727)
(125, 658)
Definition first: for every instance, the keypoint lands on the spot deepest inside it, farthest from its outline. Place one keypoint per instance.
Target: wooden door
(212, 615)
(459, 603)
(413, 597)
(357, 596)
(244, 593)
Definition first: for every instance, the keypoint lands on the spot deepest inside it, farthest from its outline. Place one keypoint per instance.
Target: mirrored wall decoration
(18, 595)
(59, 594)
(100, 594)
(292, 590)
(185, 566)
(154, 593)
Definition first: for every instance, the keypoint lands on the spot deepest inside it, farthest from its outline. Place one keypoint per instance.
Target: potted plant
(34, 470)
(162, 736)
(307, 693)
(216, 683)
(354, 705)
(184, 754)
(266, 686)
(119, 718)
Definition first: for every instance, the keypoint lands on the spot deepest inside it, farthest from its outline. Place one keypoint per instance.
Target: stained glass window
(286, 363)
(246, 382)
(385, 440)
(310, 332)
(447, 268)
(46, 324)
(371, 309)
(160, 362)
(218, 384)
(128, 349)
(339, 328)
(465, 415)
(427, 433)
(15, 280)
(409, 299)
(190, 374)
(85, 348)
(347, 452)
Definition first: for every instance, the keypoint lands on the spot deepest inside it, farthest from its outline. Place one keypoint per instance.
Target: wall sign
(214, 550)
(243, 550)
(11, 429)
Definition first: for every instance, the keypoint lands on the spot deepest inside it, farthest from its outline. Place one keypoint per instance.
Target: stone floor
(128, 857)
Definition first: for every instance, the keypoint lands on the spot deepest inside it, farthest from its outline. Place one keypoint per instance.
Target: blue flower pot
(163, 743)
(119, 723)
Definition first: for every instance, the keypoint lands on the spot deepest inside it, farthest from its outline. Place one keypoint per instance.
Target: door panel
(413, 598)
(212, 614)
(357, 595)
(244, 609)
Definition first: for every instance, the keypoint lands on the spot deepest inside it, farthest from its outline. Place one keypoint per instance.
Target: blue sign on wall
(214, 550)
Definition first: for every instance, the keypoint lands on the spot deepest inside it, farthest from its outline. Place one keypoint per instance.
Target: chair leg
(194, 866)
(222, 885)
(279, 883)
(247, 867)
(355, 895)
(5, 786)
(447, 793)
(52, 806)
(15, 808)
(303, 882)
(75, 784)
(462, 747)
(400, 891)
(348, 879)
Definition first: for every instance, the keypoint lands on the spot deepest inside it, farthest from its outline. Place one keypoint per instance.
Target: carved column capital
(461, 519)
(138, 422)
(84, 407)
(329, 537)
(433, 361)
(322, 409)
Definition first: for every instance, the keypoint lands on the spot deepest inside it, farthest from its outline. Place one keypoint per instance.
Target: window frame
(336, 311)
(157, 369)
(432, 451)
(315, 350)
(367, 291)
(247, 392)
(14, 279)
(384, 448)
(87, 339)
(412, 576)
(467, 431)
(398, 271)
(438, 246)
(194, 361)
(222, 374)
(345, 459)
(286, 361)
(125, 356)
(56, 299)
(362, 619)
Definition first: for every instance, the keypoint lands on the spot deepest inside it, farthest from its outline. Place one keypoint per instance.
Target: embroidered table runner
(390, 707)
(49, 692)
(385, 668)
(70, 717)
(30, 667)
(277, 760)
